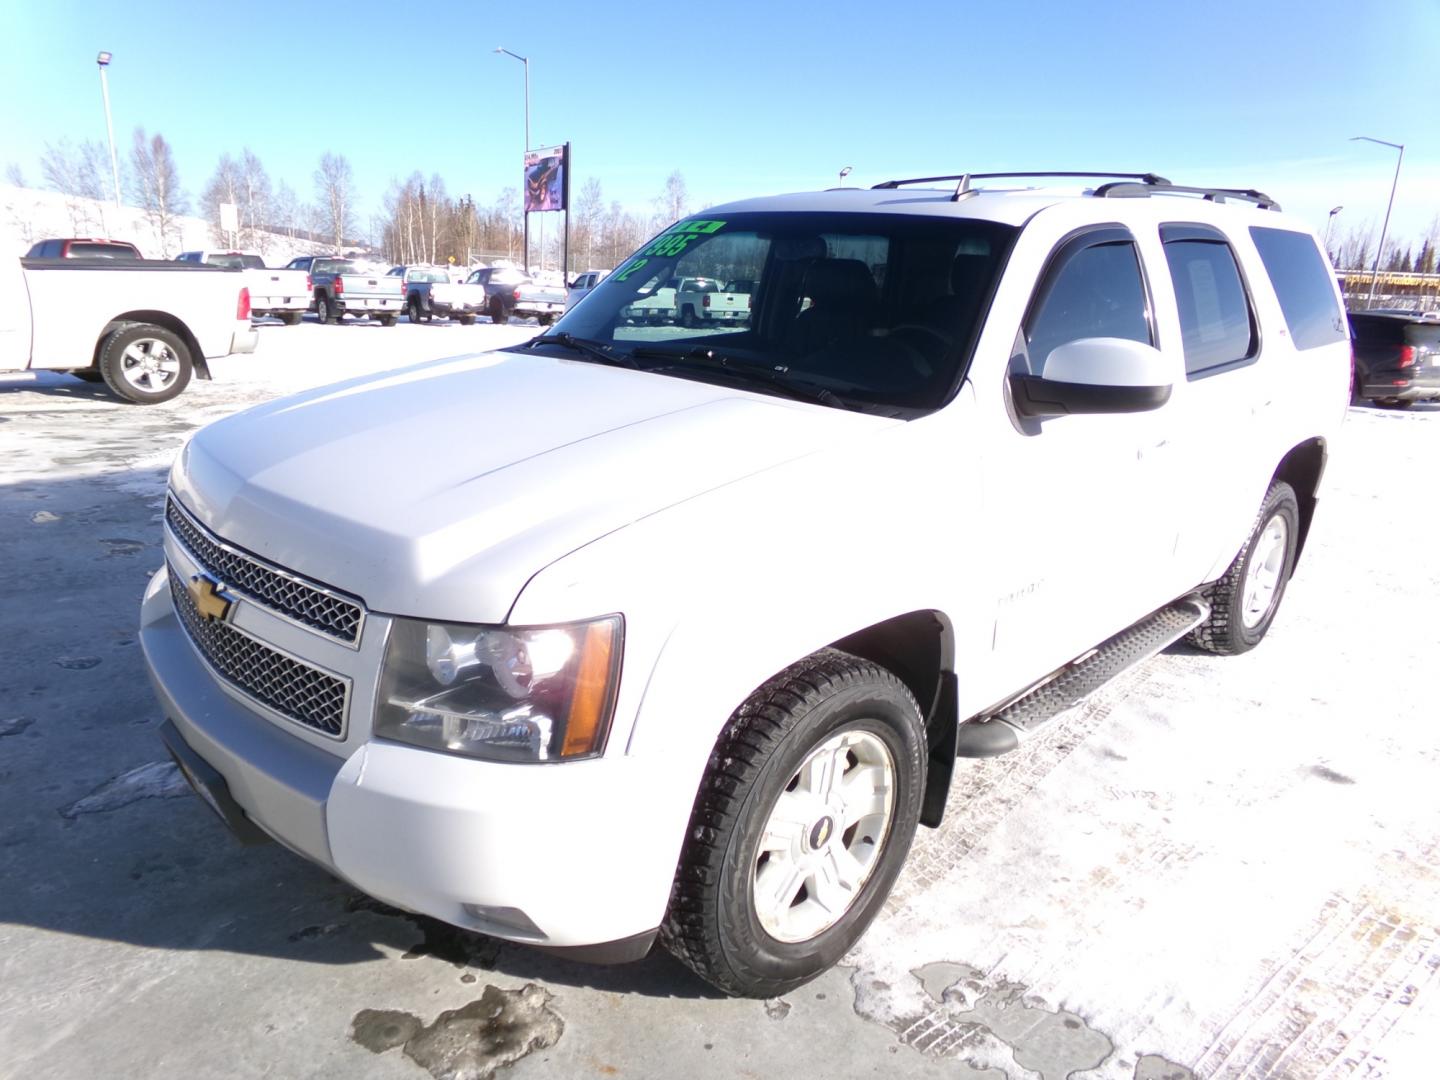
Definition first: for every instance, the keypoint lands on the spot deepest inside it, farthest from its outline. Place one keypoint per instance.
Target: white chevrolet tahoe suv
(636, 632)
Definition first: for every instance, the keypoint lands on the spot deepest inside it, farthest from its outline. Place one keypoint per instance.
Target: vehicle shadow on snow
(56, 384)
(100, 839)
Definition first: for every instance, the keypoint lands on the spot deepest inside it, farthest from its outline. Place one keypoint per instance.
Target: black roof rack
(1122, 185)
(965, 178)
(1144, 191)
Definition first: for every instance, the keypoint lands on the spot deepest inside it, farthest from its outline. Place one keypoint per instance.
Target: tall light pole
(525, 214)
(1375, 274)
(1329, 223)
(103, 60)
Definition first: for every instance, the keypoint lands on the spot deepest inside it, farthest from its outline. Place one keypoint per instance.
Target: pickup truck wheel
(497, 312)
(387, 320)
(688, 319)
(800, 827)
(545, 320)
(145, 364)
(324, 310)
(291, 318)
(467, 320)
(1244, 601)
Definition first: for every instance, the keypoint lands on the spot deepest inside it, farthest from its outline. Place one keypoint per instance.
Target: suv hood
(439, 490)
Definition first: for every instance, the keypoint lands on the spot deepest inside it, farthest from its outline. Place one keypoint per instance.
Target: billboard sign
(547, 178)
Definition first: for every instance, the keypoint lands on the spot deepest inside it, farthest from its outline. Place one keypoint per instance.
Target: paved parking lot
(1215, 867)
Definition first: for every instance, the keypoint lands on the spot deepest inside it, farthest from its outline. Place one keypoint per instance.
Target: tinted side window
(1303, 285)
(1096, 292)
(1215, 319)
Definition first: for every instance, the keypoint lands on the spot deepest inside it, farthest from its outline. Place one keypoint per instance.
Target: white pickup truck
(702, 301)
(143, 327)
(284, 294)
(637, 632)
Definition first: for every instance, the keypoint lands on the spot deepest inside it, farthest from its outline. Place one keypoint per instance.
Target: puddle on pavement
(984, 1020)
(469, 1043)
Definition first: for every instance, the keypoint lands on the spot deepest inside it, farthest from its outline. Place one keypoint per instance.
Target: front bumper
(554, 855)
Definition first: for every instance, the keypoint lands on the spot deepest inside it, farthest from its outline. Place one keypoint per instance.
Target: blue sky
(749, 97)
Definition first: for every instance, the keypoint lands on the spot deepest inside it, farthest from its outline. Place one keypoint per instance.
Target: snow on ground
(1225, 865)
(29, 214)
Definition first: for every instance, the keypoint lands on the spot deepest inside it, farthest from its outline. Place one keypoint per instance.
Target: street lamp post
(1329, 223)
(103, 61)
(1375, 274)
(525, 214)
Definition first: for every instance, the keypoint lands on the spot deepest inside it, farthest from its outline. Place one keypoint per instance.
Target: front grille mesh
(303, 693)
(243, 574)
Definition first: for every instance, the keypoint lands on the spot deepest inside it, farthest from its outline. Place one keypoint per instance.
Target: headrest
(830, 280)
(968, 273)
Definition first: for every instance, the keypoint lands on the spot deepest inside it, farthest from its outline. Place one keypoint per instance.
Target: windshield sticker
(680, 236)
(635, 264)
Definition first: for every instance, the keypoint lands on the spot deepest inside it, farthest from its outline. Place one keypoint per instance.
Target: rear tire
(291, 318)
(412, 309)
(325, 311)
(800, 827)
(144, 363)
(387, 320)
(467, 320)
(497, 312)
(1244, 601)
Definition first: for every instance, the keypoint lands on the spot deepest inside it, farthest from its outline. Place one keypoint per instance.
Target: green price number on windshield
(680, 236)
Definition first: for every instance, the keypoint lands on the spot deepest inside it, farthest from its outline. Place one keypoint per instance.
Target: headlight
(538, 694)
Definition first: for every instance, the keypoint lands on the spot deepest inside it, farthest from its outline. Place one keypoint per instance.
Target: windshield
(101, 251)
(235, 261)
(344, 266)
(876, 309)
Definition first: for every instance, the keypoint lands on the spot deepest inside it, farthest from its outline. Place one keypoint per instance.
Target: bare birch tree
(224, 187)
(335, 192)
(673, 202)
(254, 202)
(156, 187)
(81, 174)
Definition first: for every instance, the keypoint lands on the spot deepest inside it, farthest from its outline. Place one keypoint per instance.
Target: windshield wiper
(596, 349)
(705, 357)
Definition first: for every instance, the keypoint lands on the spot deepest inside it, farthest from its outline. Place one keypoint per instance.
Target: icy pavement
(1214, 867)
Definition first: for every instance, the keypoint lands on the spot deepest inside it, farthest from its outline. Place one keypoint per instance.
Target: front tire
(145, 364)
(1244, 601)
(800, 827)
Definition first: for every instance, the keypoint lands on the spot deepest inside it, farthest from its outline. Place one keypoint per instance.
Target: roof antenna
(962, 188)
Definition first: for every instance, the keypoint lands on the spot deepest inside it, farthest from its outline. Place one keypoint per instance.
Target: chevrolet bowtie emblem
(210, 597)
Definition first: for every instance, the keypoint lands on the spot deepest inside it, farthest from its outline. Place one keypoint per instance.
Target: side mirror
(1095, 375)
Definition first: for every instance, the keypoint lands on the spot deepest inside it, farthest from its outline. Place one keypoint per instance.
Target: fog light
(504, 920)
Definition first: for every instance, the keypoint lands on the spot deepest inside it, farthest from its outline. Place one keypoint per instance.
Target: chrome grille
(294, 689)
(267, 585)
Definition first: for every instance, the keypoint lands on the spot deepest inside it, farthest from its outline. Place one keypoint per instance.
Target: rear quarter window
(1216, 321)
(1304, 286)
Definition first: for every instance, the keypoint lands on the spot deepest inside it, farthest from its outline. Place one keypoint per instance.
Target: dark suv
(1397, 357)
